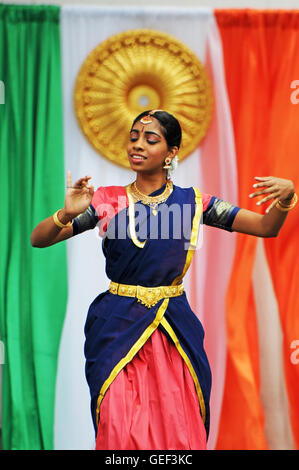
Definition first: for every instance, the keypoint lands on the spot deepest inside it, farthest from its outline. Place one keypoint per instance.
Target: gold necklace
(152, 201)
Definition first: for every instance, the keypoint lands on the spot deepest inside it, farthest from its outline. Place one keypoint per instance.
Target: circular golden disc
(134, 71)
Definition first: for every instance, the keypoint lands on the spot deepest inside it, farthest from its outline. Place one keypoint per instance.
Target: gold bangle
(58, 223)
(287, 207)
(292, 201)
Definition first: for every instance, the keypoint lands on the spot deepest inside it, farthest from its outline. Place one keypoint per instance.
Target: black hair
(170, 126)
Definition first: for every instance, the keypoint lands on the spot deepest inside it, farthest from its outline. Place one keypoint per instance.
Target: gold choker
(152, 201)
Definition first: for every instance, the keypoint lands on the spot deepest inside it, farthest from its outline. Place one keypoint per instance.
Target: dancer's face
(147, 148)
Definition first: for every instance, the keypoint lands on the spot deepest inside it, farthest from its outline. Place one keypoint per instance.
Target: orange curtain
(261, 56)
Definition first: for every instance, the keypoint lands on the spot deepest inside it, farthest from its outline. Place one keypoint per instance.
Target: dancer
(146, 366)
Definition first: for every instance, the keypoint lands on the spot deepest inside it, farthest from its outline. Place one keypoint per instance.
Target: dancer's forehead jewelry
(148, 119)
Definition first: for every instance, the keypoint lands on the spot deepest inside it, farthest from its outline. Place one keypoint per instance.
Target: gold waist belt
(148, 296)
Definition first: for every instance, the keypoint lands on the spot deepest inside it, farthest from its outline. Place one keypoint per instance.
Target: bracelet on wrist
(282, 206)
(58, 223)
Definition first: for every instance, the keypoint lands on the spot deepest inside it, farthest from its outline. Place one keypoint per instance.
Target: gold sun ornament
(134, 71)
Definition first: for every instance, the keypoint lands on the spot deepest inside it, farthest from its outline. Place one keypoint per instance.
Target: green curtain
(33, 282)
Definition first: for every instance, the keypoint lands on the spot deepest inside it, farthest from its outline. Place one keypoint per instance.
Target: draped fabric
(32, 282)
(260, 409)
(212, 264)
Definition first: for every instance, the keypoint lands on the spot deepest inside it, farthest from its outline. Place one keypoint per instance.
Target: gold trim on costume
(133, 351)
(148, 296)
(133, 235)
(185, 357)
(194, 235)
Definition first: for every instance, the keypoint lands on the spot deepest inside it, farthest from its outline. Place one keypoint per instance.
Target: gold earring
(167, 163)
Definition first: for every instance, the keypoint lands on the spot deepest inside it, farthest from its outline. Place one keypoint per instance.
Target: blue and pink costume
(146, 366)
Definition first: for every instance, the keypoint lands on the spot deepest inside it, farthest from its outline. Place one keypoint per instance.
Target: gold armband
(287, 207)
(58, 223)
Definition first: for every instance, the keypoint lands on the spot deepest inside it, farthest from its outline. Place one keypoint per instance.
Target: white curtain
(273, 388)
(211, 168)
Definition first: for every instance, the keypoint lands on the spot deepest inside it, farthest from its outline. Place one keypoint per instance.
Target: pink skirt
(152, 403)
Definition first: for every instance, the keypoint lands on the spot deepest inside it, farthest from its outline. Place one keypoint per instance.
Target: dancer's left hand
(278, 189)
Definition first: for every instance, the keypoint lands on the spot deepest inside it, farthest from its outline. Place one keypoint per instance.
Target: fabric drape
(212, 264)
(261, 54)
(32, 187)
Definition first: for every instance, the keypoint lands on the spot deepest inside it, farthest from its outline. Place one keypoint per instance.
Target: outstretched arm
(281, 192)
(77, 199)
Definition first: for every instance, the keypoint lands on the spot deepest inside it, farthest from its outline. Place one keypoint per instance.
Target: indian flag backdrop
(244, 289)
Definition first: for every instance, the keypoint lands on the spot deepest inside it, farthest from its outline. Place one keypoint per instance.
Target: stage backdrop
(244, 290)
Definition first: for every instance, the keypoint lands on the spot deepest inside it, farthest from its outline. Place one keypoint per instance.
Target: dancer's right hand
(78, 196)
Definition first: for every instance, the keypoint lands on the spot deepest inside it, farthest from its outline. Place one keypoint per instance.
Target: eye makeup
(152, 137)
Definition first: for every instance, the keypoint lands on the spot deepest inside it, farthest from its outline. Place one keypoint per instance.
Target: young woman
(146, 367)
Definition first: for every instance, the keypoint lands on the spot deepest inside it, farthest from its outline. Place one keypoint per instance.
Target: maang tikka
(146, 119)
